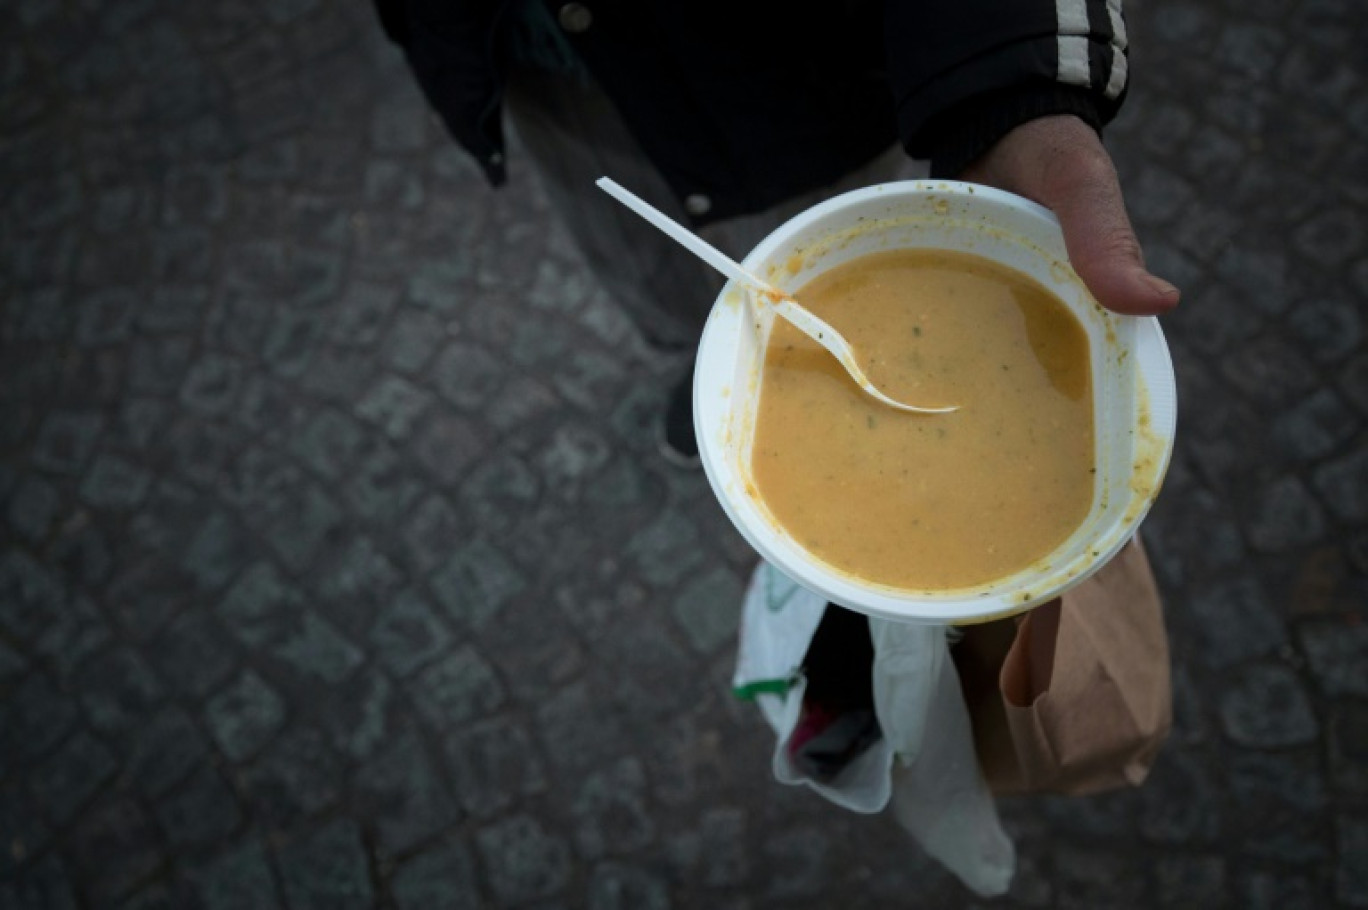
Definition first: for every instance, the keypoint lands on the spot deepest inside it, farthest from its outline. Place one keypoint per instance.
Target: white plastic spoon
(805, 321)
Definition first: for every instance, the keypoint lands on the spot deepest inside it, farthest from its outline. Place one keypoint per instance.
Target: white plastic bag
(939, 794)
(924, 762)
(778, 621)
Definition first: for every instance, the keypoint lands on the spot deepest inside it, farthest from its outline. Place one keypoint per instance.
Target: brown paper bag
(1073, 697)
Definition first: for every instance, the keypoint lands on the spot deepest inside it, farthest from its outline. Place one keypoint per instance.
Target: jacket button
(697, 204)
(575, 18)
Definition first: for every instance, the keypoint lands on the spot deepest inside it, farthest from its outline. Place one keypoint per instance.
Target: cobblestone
(411, 341)
(498, 491)
(1192, 882)
(394, 405)
(65, 441)
(163, 750)
(1234, 621)
(475, 583)
(1181, 807)
(82, 551)
(443, 876)
(1290, 792)
(1269, 890)
(357, 714)
(1349, 748)
(105, 317)
(576, 730)
(12, 663)
(47, 884)
(158, 365)
(362, 313)
(298, 776)
(1331, 237)
(1315, 427)
(316, 647)
(308, 521)
(401, 791)
(708, 610)
(1337, 656)
(1328, 329)
(200, 814)
(32, 596)
(381, 489)
(244, 716)
(72, 776)
(466, 375)
(714, 849)
(1354, 380)
(33, 507)
(1288, 517)
(458, 688)
(326, 869)
(194, 654)
(611, 812)
(615, 886)
(120, 689)
(144, 596)
(24, 831)
(1270, 372)
(1340, 482)
(408, 634)
(238, 879)
(115, 844)
(430, 533)
(173, 309)
(523, 860)
(1351, 881)
(668, 550)
(115, 483)
(493, 766)
(337, 567)
(1268, 706)
(212, 385)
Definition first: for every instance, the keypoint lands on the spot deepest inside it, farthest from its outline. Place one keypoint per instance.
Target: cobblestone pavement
(338, 569)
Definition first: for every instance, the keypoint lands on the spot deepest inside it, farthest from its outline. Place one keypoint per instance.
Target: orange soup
(929, 501)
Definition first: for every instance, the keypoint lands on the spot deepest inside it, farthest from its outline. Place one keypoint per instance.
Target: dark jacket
(750, 102)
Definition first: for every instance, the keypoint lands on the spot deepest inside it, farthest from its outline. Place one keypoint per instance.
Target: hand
(1060, 163)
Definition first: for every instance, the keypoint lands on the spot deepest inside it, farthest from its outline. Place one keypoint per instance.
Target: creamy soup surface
(929, 502)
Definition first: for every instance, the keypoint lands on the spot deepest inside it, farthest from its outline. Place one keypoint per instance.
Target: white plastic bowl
(1134, 399)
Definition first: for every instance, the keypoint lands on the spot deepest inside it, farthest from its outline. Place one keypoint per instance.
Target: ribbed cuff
(955, 139)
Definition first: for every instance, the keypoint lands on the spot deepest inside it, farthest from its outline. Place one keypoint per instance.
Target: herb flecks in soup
(917, 501)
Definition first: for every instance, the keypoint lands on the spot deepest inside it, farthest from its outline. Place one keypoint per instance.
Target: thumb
(1060, 163)
(1083, 192)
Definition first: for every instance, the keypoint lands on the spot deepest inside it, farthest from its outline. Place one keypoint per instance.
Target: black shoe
(676, 440)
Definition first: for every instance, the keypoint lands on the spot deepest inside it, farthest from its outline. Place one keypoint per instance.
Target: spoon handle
(683, 236)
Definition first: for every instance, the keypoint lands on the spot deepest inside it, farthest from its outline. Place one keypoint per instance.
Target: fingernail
(1162, 287)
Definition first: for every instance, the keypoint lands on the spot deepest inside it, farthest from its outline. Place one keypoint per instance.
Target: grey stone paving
(337, 569)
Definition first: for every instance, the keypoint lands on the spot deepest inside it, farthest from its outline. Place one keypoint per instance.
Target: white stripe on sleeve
(1118, 25)
(1073, 60)
(1072, 16)
(1116, 82)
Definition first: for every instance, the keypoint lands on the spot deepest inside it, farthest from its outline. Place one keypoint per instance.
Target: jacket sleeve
(965, 72)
